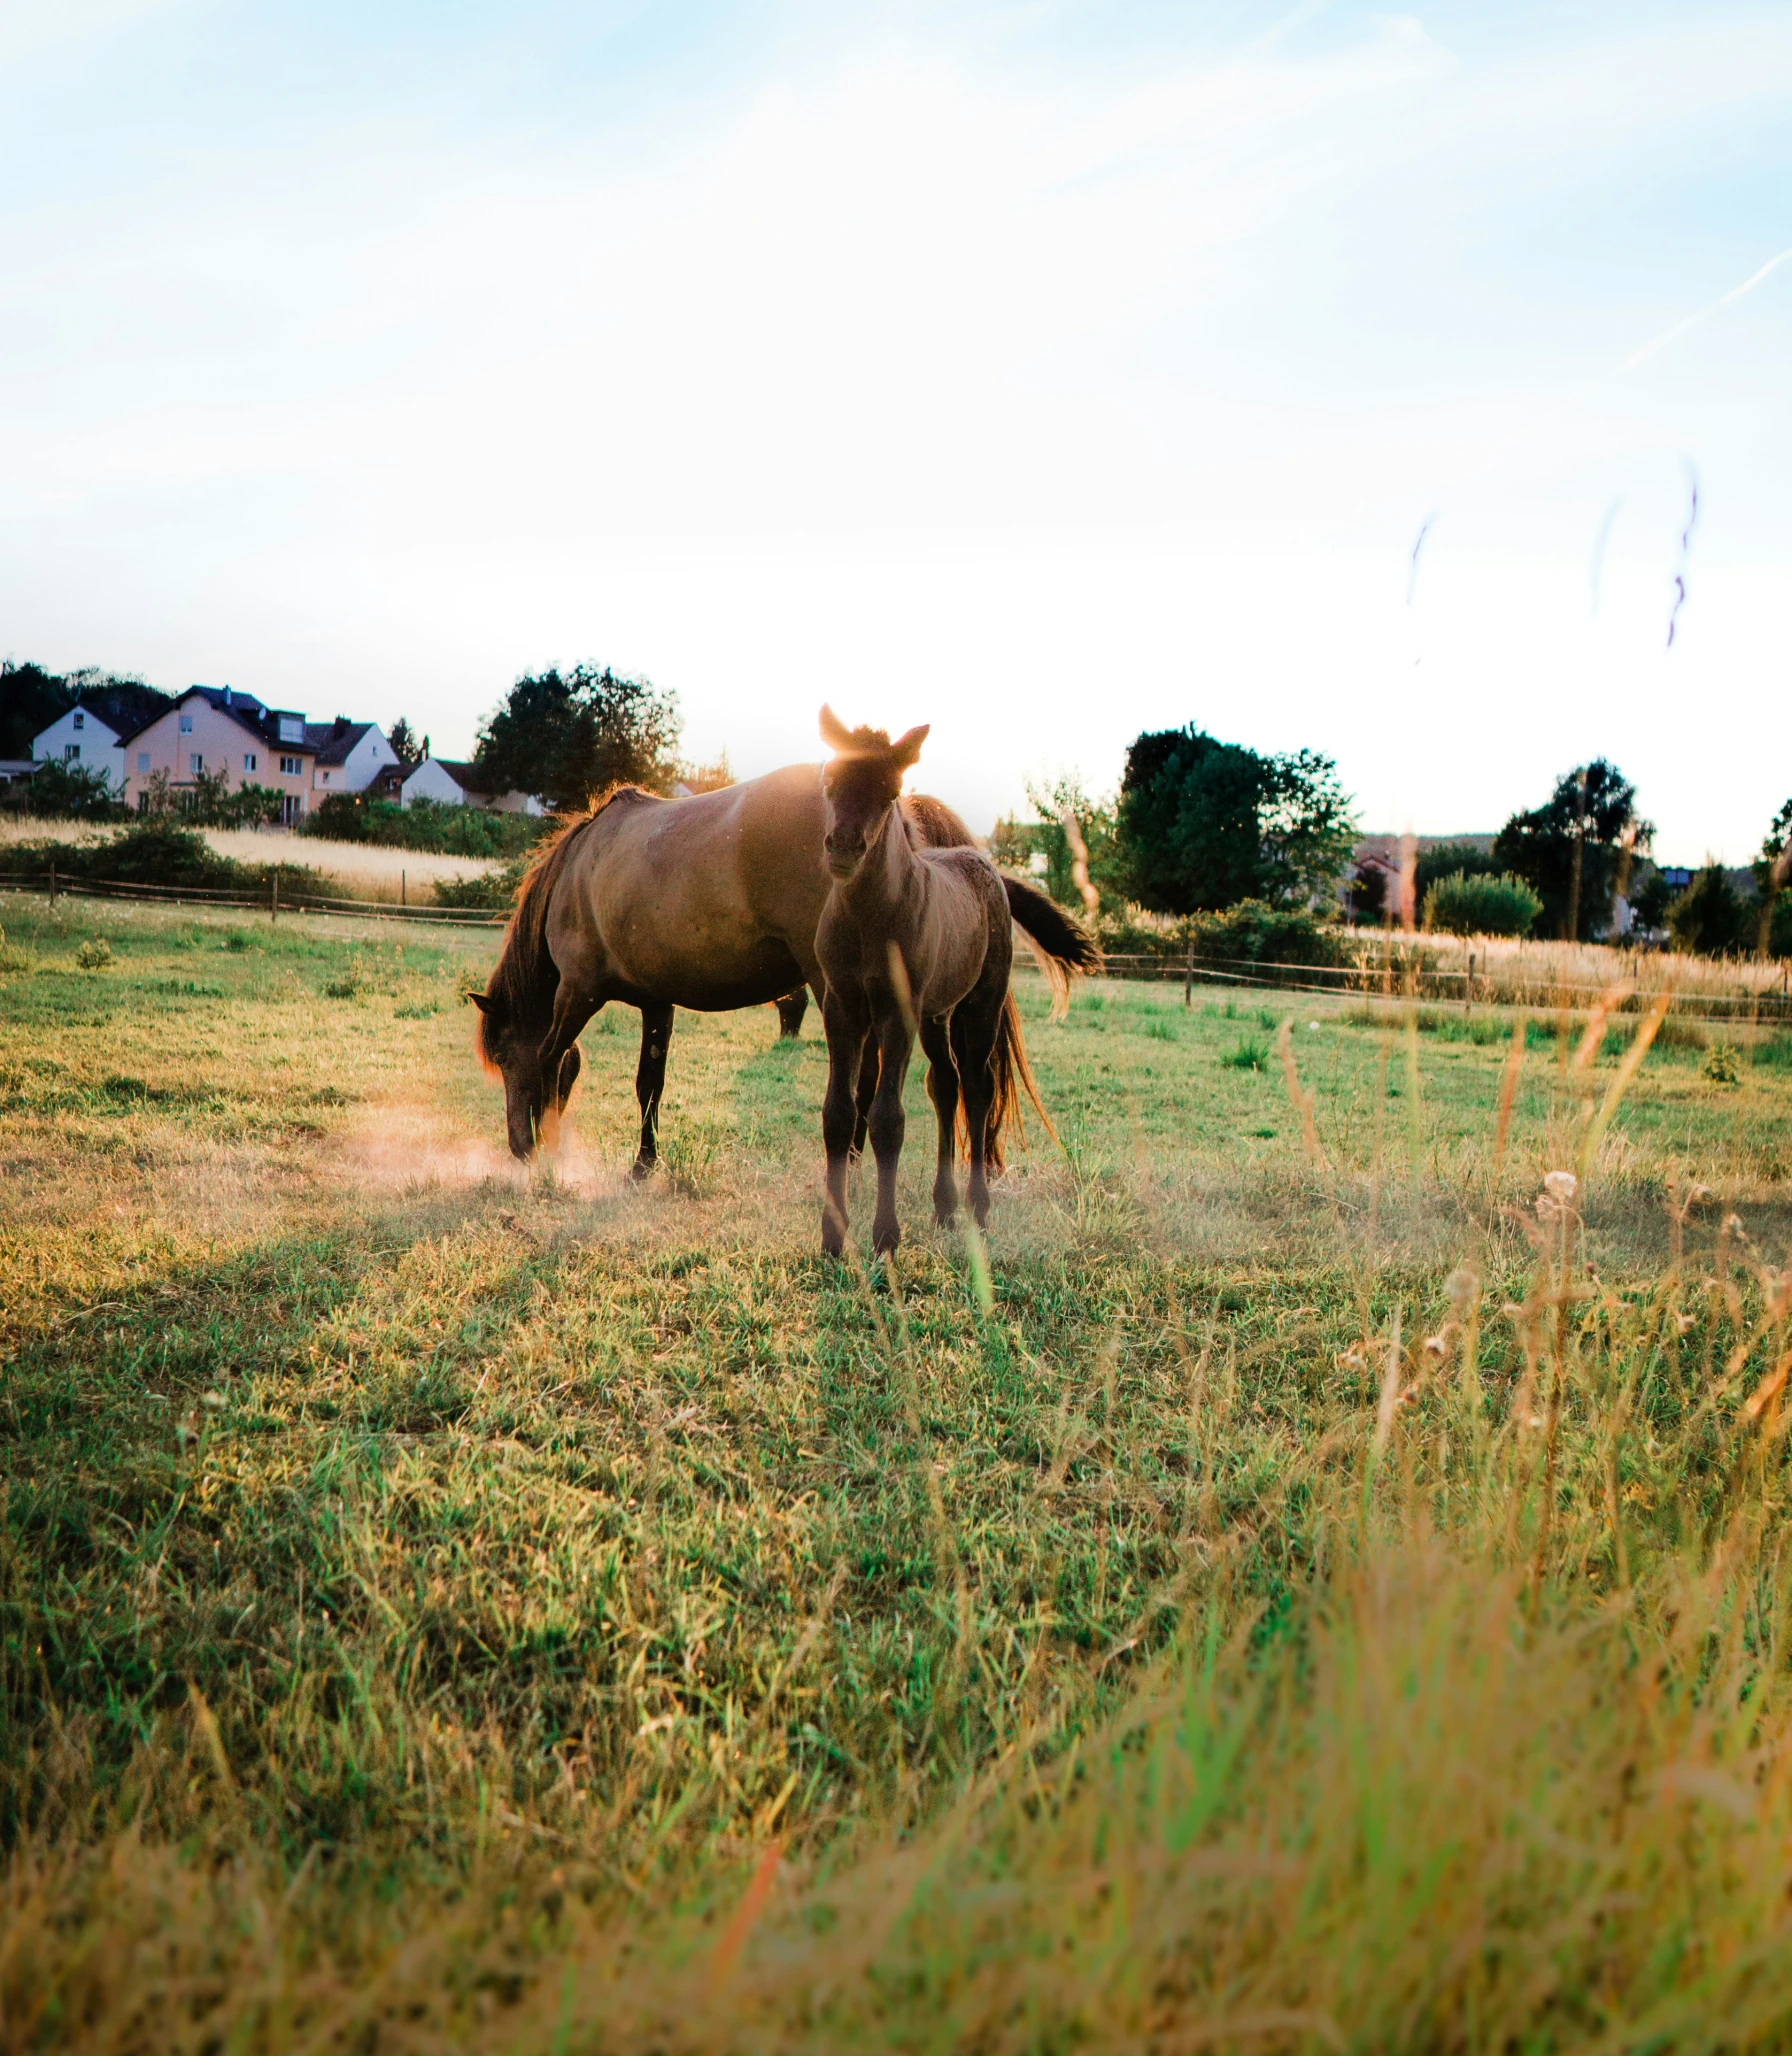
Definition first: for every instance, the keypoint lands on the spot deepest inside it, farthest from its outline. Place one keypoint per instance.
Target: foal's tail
(1064, 947)
(1014, 1077)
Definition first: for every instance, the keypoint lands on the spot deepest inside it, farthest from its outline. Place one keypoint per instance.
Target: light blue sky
(1042, 371)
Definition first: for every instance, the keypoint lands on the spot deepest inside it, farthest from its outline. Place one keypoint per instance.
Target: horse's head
(860, 783)
(533, 1102)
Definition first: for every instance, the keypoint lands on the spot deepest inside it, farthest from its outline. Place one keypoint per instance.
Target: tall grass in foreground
(1504, 1764)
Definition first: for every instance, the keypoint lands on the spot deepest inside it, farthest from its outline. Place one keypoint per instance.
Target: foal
(910, 938)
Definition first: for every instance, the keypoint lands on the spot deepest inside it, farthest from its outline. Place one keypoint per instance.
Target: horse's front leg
(942, 1089)
(887, 1125)
(650, 1082)
(846, 1037)
(865, 1094)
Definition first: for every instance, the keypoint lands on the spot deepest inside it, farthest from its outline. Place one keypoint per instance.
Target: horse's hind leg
(650, 1080)
(942, 1089)
(791, 1009)
(976, 1024)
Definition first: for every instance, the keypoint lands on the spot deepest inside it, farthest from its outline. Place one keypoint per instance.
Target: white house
(451, 783)
(227, 734)
(93, 730)
(350, 755)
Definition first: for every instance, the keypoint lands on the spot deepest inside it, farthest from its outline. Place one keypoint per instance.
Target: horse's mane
(936, 825)
(522, 985)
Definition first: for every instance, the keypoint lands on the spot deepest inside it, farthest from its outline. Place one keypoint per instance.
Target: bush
(426, 825)
(495, 892)
(158, 851)
(1464, 903)
(58, 791)
(1255, 933)
(94, 954)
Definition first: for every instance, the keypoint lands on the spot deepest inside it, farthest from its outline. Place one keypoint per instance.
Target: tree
(405, 746)
(1575, 849)
(30, 699)
(569, 736)
(1204, 824)
(1709, 918)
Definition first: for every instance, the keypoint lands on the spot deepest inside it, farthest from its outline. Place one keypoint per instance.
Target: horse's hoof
(884, 1241)
(643, 1168)
(945, 1212)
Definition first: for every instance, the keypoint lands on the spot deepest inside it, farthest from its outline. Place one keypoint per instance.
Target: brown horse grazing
(709, 902)
(918, 938)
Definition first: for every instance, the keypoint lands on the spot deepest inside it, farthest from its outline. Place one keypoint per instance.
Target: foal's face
(533, 1103)
(860, 785)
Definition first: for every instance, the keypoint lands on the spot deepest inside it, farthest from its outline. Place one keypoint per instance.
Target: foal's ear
(906, 749)
(834, 731)
(480, 1001)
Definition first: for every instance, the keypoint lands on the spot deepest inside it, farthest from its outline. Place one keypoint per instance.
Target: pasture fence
(277, 900)
(1379, 974)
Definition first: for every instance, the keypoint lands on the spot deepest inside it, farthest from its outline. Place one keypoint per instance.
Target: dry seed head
(1463, 1286)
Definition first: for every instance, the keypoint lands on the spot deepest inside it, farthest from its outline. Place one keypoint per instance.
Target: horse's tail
(1013, 1079)
(1064, 947)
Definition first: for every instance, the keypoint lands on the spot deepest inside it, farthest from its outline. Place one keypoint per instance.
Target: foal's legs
(846, 1038)
(791, 1009)
(976, 1027)
(942, 1089)
(863, 1096)
(887, 1125)
(650, 1080)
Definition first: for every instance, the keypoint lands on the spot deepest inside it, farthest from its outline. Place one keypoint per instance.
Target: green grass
(1316, 1600)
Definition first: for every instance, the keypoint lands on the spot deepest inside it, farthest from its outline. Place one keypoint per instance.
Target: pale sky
(1043, 371)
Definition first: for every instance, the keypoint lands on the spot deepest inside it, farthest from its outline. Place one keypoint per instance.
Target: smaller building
(453, 783)
(92, 732)
(350, 756)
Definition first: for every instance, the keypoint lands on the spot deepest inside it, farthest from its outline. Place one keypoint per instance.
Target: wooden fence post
(274, 895)
(52, 881)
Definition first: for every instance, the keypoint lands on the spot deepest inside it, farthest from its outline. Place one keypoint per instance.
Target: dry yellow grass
(360, 870)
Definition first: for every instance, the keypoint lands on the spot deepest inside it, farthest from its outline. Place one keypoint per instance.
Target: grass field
(1317, 1588)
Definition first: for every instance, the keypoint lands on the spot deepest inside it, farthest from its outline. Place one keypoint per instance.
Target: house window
(71, 752)
(80, 720)
(292, 729)
(289, 767)
(143, 761)
(186, 724)
(195, 763)
(249, 760)
(326, 778)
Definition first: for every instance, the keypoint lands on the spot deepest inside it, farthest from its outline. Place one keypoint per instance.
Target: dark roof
(332, 740)
(465, 775)
(243, 708)
(123, 704)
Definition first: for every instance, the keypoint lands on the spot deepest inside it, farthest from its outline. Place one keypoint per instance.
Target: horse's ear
(906, 749)
(480, 1001)
(834, 731)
